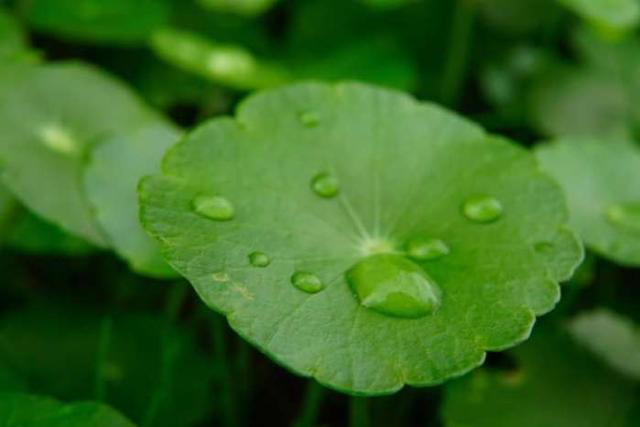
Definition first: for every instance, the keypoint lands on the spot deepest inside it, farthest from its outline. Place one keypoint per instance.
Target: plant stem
(224, 370)
(359, 412)
(456, 62)
(175, 299)
(106, 327)
(310, 405)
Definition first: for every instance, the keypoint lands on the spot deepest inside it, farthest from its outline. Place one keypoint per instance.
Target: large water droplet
(309, 119)
(214, 207)
(59, 139)
(259, 259)
(307, 282)
(625, 215)
(425, 249)
(482, 209)
(393, 285)
(325, 185)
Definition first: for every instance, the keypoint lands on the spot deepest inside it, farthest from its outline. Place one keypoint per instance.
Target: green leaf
(401, 170)
(610, 16)
(31, 234)
(243, 7)
(12, 38)
(601, 179)
(111, 178)
(50, 116)
(610, 336)
(55, 349)
(554, 384)
(226, 64)
(569, 101)
(113, 21)
(24, 410)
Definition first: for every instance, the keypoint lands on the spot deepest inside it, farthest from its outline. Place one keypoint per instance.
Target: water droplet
(625, 215)
(59, 139)
(309, 119)
(482, 209)
(425, 249)
(393, 285)
(214, 207)
(307, 282)
(259, 259)
(220, 276)
(325, 185)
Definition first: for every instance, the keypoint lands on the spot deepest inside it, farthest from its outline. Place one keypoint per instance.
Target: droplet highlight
(309, 119)
(426, 249)
(214, 207)
(58, 138)
(307, 282)
(395, 286)
(483, 209)
(325, 185)
(625, 215)
(259, 259)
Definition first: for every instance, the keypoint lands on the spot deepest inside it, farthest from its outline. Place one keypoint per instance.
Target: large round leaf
(24, 410)
(311, 179)
(50, 116)
(111, 179)
(602, 182)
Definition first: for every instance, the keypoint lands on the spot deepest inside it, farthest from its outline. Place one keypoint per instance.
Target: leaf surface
(50, 116)
(111, 177)
(24, 410)
(602, 181)
(554, 384)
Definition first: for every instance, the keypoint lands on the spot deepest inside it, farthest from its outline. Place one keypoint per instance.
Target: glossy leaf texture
(110, 182)
(24, 410)
(554, 383)
(51, 115)
(612, 337)
(152, 370)
(391, 170)
(98, 21)
(602, 181)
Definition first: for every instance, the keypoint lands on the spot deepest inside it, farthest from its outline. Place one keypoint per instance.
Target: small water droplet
(483, 209)
(220, 276)
(214, 207)
(425, 249)
(626, 215)
(325, 185)
(259, 259)
(307, 282)
(59, 139)
(393, 285)
(309, 119)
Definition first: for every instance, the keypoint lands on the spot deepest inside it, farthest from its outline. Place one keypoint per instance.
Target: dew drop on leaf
(325, 185)
(59, 139)
(307, 282)
(259, 259)
(625, 215)
(424, 249)
(483, 209)
(309, 119)
(214, 207)
(393, 285)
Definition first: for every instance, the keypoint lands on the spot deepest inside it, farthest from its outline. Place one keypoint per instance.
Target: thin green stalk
(224, 369)
(104, 340)
(175, 299)
(458, 51)
(310, 405)
(359, 412)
